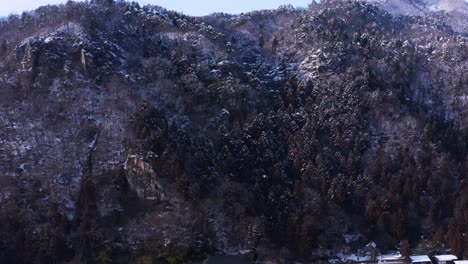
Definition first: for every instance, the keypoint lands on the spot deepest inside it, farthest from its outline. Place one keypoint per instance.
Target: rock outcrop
(142, 178)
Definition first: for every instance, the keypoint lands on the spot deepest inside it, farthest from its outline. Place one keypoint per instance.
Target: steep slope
(140, 134)
(452, 12)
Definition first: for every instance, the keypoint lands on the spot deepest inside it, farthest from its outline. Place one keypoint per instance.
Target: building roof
(390, 257)
(236, 259)
(371, 244)
(353, 257)
(445, 257)
(421, 258)
(461, 261)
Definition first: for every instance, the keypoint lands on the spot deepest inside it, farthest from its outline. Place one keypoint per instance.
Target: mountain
(136, 134)
(412, 7)
(452, 12)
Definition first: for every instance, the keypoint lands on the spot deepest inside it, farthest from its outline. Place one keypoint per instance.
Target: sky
(188, 7)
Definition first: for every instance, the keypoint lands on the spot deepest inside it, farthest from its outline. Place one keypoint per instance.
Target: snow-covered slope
(272, 133)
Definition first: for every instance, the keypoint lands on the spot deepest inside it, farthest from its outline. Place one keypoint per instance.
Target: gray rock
(142, 178)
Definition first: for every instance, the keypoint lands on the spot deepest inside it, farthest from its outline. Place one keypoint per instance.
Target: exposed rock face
(142, 178)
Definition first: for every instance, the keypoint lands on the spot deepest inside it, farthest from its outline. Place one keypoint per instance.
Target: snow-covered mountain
(134, 134)
(452, 12)
(422, 6)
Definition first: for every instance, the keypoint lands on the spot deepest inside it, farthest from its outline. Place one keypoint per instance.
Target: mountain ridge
(274, 132)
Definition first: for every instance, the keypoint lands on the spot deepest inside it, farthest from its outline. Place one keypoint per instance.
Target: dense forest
(134, 134)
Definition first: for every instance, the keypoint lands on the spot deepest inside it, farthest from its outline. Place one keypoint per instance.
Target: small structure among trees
(235, 259)
(420, 259)
(392, 258)
(445, 259)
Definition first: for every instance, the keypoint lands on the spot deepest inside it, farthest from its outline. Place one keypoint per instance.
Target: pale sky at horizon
(189, 7)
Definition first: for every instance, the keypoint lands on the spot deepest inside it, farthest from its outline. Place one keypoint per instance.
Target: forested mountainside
(136, 134)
